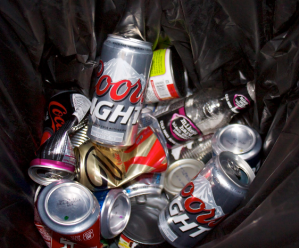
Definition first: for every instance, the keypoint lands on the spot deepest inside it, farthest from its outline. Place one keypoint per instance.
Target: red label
(114, 87)
(56, 113)
(172, 91)
(205, 215)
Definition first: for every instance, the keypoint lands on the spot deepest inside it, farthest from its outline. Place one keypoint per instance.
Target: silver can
(70, 209)
(214, 193)
(117, 101)
(143, 224)
(115, 211)
(241, 140)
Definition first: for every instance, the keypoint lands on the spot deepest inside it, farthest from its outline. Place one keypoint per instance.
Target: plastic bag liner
(47, 46)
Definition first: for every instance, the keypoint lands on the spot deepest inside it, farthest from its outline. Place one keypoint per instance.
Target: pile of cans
(107, 178)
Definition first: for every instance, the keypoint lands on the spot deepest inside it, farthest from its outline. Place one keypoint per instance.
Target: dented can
(214, 193)
(70, 209)
(121, 81)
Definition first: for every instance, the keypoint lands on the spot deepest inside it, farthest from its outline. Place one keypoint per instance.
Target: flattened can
(241, 140)
(214, 193)
(115, 211)
(70, 209)
(117, 101)
(168, 77)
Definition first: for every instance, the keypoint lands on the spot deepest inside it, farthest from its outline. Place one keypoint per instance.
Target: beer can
(168, 77)
(214, 193)
(143, 224)
(118, 97)
(180, 173)
(241, 140)
(100, 167)
(115, 211)
(70, 209)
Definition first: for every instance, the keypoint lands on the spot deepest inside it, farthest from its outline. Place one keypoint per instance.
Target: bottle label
(238, 99)
(176, 126)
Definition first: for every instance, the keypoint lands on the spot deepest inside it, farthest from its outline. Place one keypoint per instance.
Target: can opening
(178, 73)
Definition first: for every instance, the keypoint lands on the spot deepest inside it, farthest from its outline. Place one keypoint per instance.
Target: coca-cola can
(70, 209)
(115, 211)
(117, 100)
(241, 140)
(207, 199)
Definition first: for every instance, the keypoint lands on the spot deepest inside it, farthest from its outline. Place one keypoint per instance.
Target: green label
(158, 63)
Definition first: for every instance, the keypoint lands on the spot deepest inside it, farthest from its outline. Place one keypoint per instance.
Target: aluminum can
(70, 209)
(168, 77)
(78, 134)
(143, 224)
(60, 109)
(180, 173)
(100, 167)
(241, 140)
(117, 101)
(214, 193)
(115, 211)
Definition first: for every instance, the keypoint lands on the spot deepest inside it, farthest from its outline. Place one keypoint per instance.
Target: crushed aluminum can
(115, 211)
(214, 193)
(70, 209)
(100, 168)
(118, 97)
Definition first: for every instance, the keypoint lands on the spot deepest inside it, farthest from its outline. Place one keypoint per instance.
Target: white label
(81, 105)
(106, 135)
(166, 229)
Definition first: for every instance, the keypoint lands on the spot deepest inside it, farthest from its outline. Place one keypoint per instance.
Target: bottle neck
(238, 99)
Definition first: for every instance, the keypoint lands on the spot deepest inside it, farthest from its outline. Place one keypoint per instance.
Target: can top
(236, 169)
(115, 211)
(180, 173)
(235, 138)
(65, 204)
(124, 38)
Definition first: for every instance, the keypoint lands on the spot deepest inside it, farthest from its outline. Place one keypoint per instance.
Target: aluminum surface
(239, 139)
(216, 191)
(117, 101)
(180, 173)
(143, 224)
(115, 213)
(67, 207)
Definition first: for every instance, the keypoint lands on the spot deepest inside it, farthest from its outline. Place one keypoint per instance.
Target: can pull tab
(235, 168)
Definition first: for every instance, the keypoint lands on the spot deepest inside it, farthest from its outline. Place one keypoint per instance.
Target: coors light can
(117, 101)
(214, 193)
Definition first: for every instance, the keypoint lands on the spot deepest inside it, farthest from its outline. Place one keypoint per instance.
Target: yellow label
(158, 63)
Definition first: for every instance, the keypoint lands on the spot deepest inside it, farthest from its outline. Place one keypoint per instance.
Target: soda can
(143, 224)
(180, 173)
(115, 211)
(100, 167)
(78, 134)
(117, 101)
(70, 209)
(214, 193)
(241, 140)
(168, 77)
(60, 109)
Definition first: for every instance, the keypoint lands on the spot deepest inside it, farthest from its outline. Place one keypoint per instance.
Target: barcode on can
(162, 89)
(166, 229)
(106, 135)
